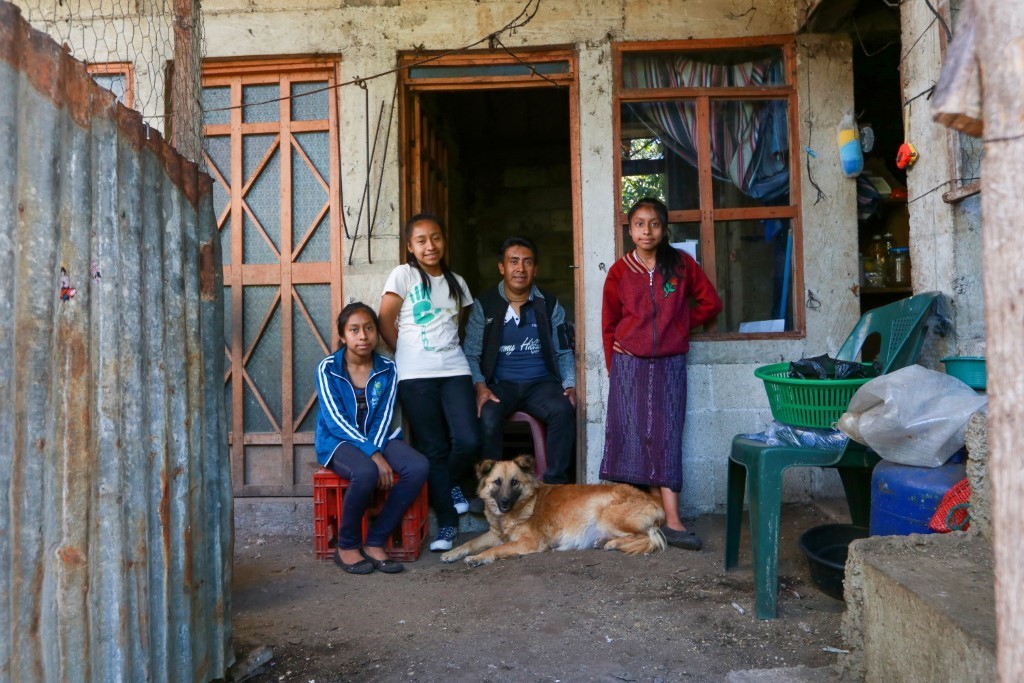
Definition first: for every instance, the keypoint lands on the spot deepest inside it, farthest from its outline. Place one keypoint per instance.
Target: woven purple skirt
(643, 438)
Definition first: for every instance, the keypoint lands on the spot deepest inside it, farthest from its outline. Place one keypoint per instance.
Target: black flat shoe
(385, 566)
(360, 567)
(687, 540)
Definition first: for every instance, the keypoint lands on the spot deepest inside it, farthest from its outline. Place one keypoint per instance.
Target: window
(118, 78)
(271, 145)
(709, 128)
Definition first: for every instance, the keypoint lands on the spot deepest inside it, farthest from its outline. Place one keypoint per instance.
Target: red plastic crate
(404, 543)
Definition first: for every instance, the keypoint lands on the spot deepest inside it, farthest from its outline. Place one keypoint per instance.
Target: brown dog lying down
(527, 516)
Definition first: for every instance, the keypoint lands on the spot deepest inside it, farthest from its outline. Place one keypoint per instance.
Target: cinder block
(736, 387)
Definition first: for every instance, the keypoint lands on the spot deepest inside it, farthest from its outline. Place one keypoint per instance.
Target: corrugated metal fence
(115, 520)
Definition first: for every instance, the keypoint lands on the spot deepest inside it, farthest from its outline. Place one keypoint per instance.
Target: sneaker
(459, 500)
(445, 539)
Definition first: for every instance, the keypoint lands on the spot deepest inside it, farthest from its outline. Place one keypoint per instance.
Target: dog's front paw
(478, 560)
(453, 555)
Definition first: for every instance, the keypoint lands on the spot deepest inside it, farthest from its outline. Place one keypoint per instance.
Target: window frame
(287, 273)
(707, 214)
(126, 69)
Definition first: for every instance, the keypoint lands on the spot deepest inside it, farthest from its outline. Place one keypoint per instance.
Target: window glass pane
(317, 148)
(750, 153)
(308, 199)
(264, 366)
(684, 236)
(216, 99)
(308, 344)
(658, 153)
(736, 68)
(115, 83)
(312, 106)
(261, 103)
(488, 70)
(218, 149)
(318, 247)
(264, 199)
(754, 260)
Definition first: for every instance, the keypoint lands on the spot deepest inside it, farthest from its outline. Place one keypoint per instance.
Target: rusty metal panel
(115, 515)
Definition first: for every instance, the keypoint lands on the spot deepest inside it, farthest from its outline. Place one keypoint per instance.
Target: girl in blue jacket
(356, 387)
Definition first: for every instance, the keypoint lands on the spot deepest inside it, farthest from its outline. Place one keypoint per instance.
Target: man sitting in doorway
(521, 358)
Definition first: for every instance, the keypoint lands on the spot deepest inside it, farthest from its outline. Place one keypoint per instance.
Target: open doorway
(883, 217)
(490, 144)
(508, 175)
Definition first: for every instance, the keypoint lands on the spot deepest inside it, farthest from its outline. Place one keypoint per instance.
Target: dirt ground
(558, 616)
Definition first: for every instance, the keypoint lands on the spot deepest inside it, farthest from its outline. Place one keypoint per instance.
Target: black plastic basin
(826, 548)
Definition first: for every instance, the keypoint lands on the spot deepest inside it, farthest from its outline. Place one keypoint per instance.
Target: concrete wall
(945, 239)
(725, 398)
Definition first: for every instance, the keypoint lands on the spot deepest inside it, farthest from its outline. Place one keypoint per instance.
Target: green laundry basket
(807, 403)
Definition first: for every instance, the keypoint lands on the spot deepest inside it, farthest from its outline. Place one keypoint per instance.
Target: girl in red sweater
(653, 297)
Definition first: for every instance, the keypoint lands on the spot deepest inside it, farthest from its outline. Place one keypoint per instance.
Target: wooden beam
(998, 25)
(962, 192)
(956, 102)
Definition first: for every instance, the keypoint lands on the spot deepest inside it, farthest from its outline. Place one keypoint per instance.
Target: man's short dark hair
(518, 242)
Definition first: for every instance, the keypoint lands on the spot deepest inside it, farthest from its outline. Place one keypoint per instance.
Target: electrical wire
(526, 14)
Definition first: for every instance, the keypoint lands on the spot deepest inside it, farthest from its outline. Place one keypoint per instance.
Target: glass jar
(875, 264)
(899, 267)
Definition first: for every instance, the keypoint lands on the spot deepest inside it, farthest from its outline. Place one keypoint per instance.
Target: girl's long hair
(454, 288)
(667, 259)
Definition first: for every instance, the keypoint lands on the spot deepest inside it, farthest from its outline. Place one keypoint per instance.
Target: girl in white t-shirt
(419, 317)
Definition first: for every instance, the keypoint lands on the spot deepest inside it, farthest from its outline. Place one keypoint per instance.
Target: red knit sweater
(642, 315)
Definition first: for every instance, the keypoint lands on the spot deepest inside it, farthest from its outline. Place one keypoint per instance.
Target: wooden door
(271, 145)
(428, 163)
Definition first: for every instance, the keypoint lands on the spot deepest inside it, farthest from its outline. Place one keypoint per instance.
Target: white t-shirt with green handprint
(428, 325)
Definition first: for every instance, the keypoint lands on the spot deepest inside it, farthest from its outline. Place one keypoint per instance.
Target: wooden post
(186, 107)
(999, 28)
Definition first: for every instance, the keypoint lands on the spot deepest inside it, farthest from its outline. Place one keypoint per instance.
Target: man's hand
(570, 394)
(385, 477)
(483, 395)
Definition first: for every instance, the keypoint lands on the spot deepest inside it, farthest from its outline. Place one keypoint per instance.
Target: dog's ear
(484, 468)
(525, 463)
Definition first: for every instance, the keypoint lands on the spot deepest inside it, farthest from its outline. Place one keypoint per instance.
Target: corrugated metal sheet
(115, 522)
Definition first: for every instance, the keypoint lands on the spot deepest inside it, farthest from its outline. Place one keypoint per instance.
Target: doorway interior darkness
(509, 173)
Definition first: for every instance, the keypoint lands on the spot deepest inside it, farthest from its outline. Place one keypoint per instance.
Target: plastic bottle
(851, 156)
(899, 267)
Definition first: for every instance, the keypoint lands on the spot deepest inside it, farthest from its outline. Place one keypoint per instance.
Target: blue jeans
(348, 462)
(442, 416)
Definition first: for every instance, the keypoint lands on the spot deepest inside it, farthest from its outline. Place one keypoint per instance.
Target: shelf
(886, 290)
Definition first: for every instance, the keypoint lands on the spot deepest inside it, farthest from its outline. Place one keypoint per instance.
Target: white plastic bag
(912, 416)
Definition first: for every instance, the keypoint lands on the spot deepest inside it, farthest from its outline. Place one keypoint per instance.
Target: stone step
(920, 608)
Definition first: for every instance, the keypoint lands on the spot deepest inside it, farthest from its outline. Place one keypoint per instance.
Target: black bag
(825, 367)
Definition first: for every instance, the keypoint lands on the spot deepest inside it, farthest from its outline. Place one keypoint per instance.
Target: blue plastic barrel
(904, 498)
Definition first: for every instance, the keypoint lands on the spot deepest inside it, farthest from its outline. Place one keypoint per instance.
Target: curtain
(749, 138)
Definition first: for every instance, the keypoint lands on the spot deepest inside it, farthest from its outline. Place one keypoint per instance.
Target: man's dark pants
(545, 400)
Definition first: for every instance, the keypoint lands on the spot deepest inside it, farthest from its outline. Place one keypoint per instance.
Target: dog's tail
(640, 544)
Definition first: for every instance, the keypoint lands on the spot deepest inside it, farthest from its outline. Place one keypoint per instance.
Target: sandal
(387, 566)
(360, 567)
(686, 540)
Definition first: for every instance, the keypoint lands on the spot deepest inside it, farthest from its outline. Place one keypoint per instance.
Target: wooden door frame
(409, 87)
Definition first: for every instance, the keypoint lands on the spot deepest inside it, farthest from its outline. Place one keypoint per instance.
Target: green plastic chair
(757, 467)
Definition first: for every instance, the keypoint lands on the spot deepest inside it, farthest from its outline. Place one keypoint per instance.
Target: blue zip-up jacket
(336, 423)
